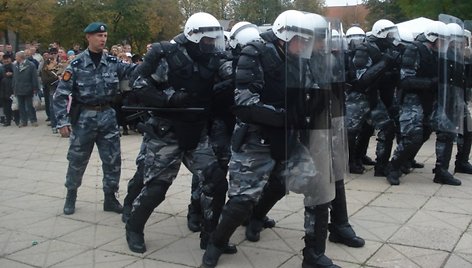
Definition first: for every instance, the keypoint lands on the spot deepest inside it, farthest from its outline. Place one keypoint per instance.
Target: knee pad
(445, 136)
(154, 193)
(214, 180)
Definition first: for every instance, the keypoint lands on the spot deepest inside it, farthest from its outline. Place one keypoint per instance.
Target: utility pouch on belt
(238, 137)
(188, 133)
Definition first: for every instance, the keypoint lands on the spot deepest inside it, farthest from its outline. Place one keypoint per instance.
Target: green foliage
(431, 8)
(388, 9)
(257, 12)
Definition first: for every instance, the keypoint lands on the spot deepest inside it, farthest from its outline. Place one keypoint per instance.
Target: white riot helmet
(242, 33)
(355, 33)
(321, 31)
(455, 32)
(204, 26)
(292, 23)
(436, 30)
(384, 28)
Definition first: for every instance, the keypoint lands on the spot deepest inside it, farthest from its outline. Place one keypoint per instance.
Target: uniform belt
(97, 107)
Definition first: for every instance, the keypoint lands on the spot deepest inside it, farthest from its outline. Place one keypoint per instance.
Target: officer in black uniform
(179, 77)
(376, 67)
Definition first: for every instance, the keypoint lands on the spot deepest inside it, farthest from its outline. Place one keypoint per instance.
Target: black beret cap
(96, 27)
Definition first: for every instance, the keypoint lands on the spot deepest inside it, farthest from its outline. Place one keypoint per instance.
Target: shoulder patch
(66, 76)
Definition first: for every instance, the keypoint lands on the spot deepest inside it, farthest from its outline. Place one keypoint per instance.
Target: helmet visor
(212, 41)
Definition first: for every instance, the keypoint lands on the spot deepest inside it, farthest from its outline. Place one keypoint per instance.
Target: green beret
(96, 27)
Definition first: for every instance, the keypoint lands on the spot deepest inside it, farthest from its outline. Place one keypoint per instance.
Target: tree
(387, 9)
(136, 22)
(29, 20)
(431, 8)
(257, 12)
(313, 6)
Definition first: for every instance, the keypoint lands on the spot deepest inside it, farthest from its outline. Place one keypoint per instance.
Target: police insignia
(66, 76)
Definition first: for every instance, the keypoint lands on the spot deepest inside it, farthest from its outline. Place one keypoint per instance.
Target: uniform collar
(88, 59)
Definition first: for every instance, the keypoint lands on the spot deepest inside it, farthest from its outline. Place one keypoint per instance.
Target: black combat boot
(315, 239)
(147, 201)
(355, 165)
(464, 145)
(273, 191)
(135, 241)
(443, 156)
(234, 213)
(112, 204)
(415, 164)
(442, 176)
(383, 150)
(194, 216)
(367, 161)
(69, 206)
(363, 144)
(340, 231)
(253, 230)
(228, 248)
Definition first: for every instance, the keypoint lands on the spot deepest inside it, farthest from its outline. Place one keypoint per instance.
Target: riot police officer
(178, 78)
(419, 103)
(375, 65)
(274, 135)
(92, 79)
(358, 140)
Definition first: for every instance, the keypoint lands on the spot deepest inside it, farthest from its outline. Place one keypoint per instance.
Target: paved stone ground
(416, 224)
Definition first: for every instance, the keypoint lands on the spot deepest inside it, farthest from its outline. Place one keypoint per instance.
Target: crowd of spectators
(27, 75)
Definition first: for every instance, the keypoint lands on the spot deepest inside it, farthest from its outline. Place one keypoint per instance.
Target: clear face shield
(393, 36)
(355, 40)
(300, 46)
(212, 41)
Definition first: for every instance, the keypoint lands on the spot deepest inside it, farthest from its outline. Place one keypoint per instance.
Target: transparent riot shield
(340, 149)
(450, 103)
(468, 73)
(309, 165)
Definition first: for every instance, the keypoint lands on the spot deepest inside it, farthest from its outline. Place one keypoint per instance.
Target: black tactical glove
(179, 98)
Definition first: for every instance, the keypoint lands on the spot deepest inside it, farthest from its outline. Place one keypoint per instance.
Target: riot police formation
(375, 65)
(92, 81)
(275, 139)
(178, 77)
(272, 112)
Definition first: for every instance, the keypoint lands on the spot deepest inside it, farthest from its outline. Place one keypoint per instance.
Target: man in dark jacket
(25, 84)
(6, 90)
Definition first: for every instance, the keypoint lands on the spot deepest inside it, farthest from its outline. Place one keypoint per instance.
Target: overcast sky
(342, 2)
